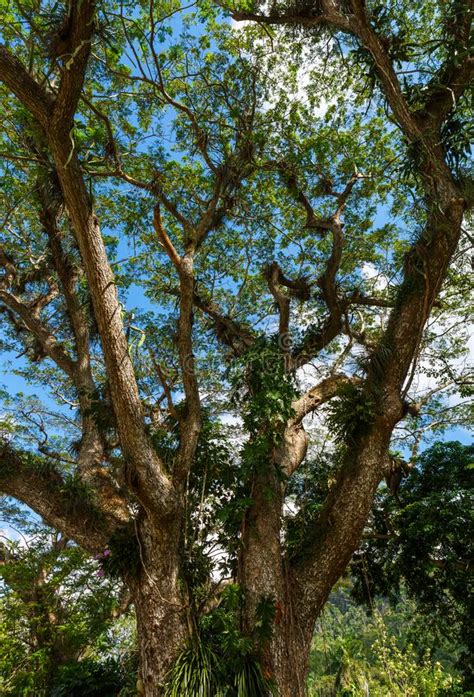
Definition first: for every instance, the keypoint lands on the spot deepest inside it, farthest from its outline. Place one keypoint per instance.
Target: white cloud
(371, 273)
(238, 25)
(230, 420)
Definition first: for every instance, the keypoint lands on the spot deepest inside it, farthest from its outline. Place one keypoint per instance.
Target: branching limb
(43, 489)
(190, 423)
(329, 14)
(292, 451)
(455, 76)
(320, 394)
(273, 274)
(165, 385)
(149, 480)
(290, 180)
(164, 238)
(80, 29)
(24, 87)
(235, 336)
(315, 340)
(358, 298)
(49, 344)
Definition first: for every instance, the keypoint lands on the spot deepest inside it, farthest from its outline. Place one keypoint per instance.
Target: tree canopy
(227, 249)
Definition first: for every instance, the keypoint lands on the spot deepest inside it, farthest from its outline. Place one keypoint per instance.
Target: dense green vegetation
(64, 628)
(390, 651)
(398, 624)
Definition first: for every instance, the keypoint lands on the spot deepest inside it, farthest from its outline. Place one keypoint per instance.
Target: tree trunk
(160, 606)
(263, 575)
(290, 652)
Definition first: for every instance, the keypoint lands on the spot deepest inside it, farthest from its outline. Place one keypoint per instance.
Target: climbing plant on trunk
(224, 246)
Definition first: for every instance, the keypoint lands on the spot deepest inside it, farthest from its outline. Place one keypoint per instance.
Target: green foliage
(89, 678)
(458, 135)
(121, 558)
(386, 653)
(180, 106)
(425, 545)
(220, 661)
(264, 390)
(263, 387)
(55, 615)
(403, 39)
(351, 414)
(264, 618)
(79, 498)
(199, 672)
(194, 673)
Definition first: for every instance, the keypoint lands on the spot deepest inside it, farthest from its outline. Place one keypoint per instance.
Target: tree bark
(290, 651)
(160, 605)
(264, 575)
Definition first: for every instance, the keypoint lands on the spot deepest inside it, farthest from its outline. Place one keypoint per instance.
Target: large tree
(212, 235)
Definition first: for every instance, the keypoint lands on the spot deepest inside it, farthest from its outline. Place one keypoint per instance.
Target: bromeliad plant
(220, 661)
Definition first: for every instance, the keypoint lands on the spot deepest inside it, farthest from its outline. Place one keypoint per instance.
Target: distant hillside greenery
(388, 652)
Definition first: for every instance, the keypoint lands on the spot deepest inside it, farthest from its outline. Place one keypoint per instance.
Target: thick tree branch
(149, 480)
(190, 426)
(319, 394)
(273, 275)
(212, 216)
(152, 485)
(81, 25)
(164, 238)
(91, 453)
(24, 87)
(68, 278)
(361, 27)
(41, 487)
(292, 451)
(44, 106)
(329, 14)
(358, 298)
(456, 75)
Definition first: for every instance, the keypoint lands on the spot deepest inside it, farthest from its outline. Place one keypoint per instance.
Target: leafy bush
(89, 678)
